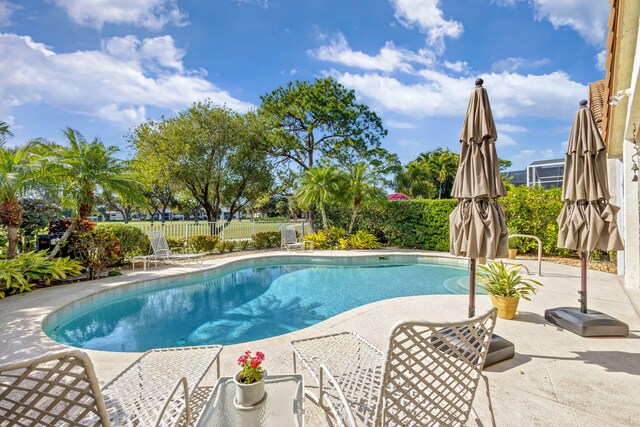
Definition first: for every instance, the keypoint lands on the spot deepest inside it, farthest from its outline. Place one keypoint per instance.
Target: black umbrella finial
(583, 103)
(479, 82)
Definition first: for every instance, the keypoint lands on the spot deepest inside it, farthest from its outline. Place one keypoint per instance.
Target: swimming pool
(246, 302)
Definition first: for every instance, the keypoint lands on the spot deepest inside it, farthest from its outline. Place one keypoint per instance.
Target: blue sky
(102, 66)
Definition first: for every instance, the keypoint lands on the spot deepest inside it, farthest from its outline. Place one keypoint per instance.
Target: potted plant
(506, 286)
(250, 380)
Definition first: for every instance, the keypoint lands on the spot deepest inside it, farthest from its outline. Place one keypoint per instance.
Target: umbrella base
(590, 324)
(500, 349)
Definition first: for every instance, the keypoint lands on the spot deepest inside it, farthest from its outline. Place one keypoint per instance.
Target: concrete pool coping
(556, 378)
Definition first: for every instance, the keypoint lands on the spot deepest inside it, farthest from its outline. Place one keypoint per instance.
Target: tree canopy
(321, 120)
(211, 151)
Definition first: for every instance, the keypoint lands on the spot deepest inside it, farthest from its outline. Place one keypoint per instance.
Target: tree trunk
(65, 237)
(353, 219)
(324, 218)
(12, 236)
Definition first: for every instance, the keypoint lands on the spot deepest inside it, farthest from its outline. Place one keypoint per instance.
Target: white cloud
(511, 95)
(601, 60)
(428, 16)
(293, 72)
(6, 11)
(116, 83)
(389, 59)
(151, 14)
(458, 66)
(510, 128)
(587, 17)
(512, 64)
(505, 140)
(397, 124)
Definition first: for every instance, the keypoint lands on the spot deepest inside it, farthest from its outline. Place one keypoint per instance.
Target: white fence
(234, 230)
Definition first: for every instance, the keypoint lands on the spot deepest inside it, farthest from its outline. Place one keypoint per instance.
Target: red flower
(242, 360)
(255, 362)
(260, 356)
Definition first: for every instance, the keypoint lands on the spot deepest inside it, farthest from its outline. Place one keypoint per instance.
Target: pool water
(244, 305)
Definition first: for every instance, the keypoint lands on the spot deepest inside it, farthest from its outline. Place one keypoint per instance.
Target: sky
(103, 66)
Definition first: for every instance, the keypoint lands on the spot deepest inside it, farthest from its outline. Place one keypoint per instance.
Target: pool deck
(556, 379)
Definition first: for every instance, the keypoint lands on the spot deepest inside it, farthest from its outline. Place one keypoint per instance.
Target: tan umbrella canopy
(477, 225)
(587, 220)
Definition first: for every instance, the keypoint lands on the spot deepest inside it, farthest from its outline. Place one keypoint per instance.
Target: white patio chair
(61, 389)
(429, 375)
(290, 239)
(162, 251)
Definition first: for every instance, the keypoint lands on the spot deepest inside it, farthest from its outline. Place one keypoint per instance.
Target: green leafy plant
(133, 241)
(22, 273)
(97, 250)
(335, 234)
(343, 244)
(498, 279)
(244, 244)
(225, 246)
(320, 240)
(363, 240)
(267, 239)
(204, 243)
(176, 242)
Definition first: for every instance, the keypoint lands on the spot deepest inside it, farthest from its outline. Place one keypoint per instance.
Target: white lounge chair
(61, 389)
(162, 251)
(290, 239)
(429, 375)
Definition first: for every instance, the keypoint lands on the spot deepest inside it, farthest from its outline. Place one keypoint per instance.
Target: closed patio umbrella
(477, 225)
(587, 221)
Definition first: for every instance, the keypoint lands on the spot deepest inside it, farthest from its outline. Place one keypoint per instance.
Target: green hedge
(424, 224)
(133, 241)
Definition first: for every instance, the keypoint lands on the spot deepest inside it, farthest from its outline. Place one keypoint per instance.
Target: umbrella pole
(583, 282)
(472, 287)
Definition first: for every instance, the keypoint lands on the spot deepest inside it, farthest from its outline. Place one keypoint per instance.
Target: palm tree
(84, 168)
(18, 175)
(361, 188)
(4, 131)
(318, 188)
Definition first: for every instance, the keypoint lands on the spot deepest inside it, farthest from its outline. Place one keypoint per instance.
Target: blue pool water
(244, 305)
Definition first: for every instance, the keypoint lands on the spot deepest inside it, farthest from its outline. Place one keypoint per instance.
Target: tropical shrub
(133, 241)
(97, 251)
(335, 234)
(25, 271)
(363, 240)
(176, 242)
(244, 244)
(60, 225)
(267, 239)
(320, 239)
(203, 243)
(498, 279)
(225, 246)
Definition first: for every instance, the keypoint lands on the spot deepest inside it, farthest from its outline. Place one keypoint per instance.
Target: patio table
(282, 406)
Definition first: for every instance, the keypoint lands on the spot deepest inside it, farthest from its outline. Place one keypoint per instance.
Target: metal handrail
(528, 236)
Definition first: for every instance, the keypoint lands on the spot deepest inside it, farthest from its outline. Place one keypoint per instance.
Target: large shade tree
(211, 151)
(319, 187)
(84, 168)
(320, 119)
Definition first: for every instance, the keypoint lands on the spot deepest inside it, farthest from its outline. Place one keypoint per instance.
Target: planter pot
(248, 395)
(506, 306)
(482, 260)
(513, 253)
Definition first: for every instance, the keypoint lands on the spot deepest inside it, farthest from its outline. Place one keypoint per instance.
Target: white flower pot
(248, 395)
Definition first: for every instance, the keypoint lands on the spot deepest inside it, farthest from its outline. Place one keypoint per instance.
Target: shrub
(225, 246)
(25, 271)
(203, 243)
(133, 241)
(363, 240)
(97, 251)
(320, 240)
(176, 242)
(335, 234)
(60, 225)
(267, 239)
(244, 244)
